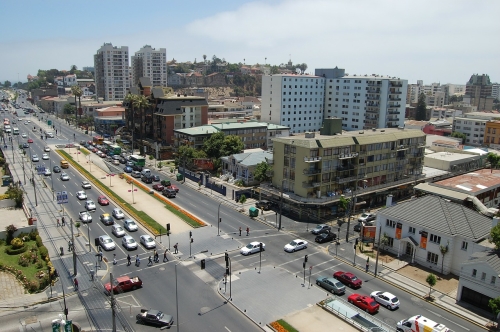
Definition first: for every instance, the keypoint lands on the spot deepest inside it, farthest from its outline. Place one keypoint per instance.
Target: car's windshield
(364, 215)
(130, 241)
(119, 229)
(373, 303)
(107, 241)
(354, 278)
(148, 239)
(394, 300)
(249, 246)
(339, 284)
(293, 243)
(319, 227)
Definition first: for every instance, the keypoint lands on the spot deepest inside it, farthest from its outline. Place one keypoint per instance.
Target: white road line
(449, 320)
(298, 259)
(227, 328)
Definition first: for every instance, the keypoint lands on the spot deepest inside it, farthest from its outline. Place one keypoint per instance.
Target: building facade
(478, 92)
(473, 125)
(112, 78)
(492, 134)
(152, 63)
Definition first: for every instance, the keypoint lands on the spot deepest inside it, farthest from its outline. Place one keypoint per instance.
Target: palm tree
(130, 98)
(77, 92)
(204, 58)
(140, 103)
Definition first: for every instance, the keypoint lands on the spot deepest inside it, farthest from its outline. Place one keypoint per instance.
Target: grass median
(142, 217)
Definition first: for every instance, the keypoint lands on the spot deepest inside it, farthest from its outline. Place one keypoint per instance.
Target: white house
(242, 165)
(420, 227)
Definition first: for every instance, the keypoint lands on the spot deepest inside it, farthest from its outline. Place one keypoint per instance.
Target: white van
(146, 172)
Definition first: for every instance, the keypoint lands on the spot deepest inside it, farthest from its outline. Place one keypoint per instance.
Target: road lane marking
(449, 320)
(227, 329)
(298, 259)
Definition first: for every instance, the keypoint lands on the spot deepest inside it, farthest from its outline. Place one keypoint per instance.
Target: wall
(484, 287)
(5, 203)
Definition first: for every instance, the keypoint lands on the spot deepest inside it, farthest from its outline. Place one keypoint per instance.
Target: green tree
(444, 251)
(493, 159)
(495, 236)
(7, 84)
(344, 203)
(77, 92)
(460, 135)
(141, 103)
(243, 199)
(16, 194)
(232, 144)
(494, 305)
(431, 281)
(73, 69)
(421, 112)
(130, 99)
(455, 98)
(261, 172)
(69, 109)
(275, 70)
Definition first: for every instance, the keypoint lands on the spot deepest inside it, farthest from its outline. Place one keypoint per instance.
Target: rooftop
(449, 156)
(492, 258)
(472, 182)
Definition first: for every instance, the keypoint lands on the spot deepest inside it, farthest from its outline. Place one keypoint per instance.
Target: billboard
(203, 164)
(368, 234)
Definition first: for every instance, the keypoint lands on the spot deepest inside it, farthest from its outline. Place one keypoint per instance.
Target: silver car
(117, 230)
(35, 158)
(118, 213)
(81, 195)
(90, 205)
(86, 185)
(331, 284)
(130, 225)
(106, 242)
(148, 242)
(85, 216)
(129, 243)
(64, 177)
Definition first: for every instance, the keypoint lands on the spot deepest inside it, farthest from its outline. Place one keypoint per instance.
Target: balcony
(311, 171)
(394, 106)
(394, 112)
(397, 85)
(345, 180)
(348, 155)
(418, 154)
(377, 91)
(312, 159)
(401, 157)
(373, 98)
(402, 147)
(395, 92)
(371, 110)
(311, 184)
(394, 99)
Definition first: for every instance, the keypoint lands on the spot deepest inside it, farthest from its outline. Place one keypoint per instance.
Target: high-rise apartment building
(295, 101)
(152, 63)
(478, 92)
(111, 65)
(364, 101)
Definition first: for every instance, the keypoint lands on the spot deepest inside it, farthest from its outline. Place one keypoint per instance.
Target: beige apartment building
(319, 167)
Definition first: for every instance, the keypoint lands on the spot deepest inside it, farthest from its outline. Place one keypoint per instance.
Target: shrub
(17, 243)
(39, 242)
(4, 196)
(10, 251)
(39, 264)
(33, 234)
(11, 229)
(33, 286)
(44, 253)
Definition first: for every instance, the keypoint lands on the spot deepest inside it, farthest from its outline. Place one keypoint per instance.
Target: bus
(138, 160)
(16, 131)
(115, 149)
(97, 140)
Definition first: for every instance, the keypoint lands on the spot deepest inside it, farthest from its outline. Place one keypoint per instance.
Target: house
(480, 279)
(215, 79)
(242, 165)
(421, 227)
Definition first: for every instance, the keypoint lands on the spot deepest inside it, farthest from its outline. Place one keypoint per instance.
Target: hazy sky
(437, 41)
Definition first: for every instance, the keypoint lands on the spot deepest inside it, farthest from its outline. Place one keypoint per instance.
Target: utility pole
(34, 188)
(281, 204)
(378, 249)
(113, 312)
(64, 300)
(73, 245)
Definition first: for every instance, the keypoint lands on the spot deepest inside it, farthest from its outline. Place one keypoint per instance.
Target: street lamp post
(281, 202)
(218, 218)
(176, 298)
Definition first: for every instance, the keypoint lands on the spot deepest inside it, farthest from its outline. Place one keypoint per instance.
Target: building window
(390, 223)
(483, 276)
(411, 230)
(464, 245)
(493, 279)
(435, 239)
(474, 273)
(432, 257)
(390, 241)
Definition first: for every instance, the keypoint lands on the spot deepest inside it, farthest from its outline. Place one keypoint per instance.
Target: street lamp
(281, 202)
(218, 218)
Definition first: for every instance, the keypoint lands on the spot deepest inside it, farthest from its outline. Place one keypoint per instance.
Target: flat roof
(473, 182)
(450, 156)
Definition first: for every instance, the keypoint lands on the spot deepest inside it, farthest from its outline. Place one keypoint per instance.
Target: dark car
(357, 227)
(147, 179)
(348, 279)
(122, 161)
(325, 237)
(155, 318)
(26, 146)
(137, 168)
(264, 205)
(156, 178)
(127, 169)
(168, 192)
(106, 219)
(56, 169)
(322, 228)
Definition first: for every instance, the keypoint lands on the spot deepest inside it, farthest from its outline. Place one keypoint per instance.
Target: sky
(442, 41)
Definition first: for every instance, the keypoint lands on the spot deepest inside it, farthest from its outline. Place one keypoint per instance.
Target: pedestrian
(176, 247)
(248, 231)
(58, 222)
(114, 259)
(150, 261)
(137, 260)
(63, 221)
(155, 256)
(165, 258)
(76, 284)
(240, 230)
(128, 260)
(99, 255)
(91, 274)
(70, 245)
(367, 264)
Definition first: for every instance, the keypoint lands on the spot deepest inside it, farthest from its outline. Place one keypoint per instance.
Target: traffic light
(305, 259)
(226, 258)
(260, 246)
(202, 264)
(220, 219)
(191, 240)
(304, 265)
(168, 228)
(190, 234)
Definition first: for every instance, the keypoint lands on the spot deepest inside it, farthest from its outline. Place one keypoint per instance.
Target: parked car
(102, 200)
(251, 248)
(106, 219)
(264, 205)
(147, 241)
(325, 237)
(331, 285)
(129, 243)
(130, 225)
(348, 278)
(86, 185)
(364, 302)
(322, 228)
(117, 230)
(81, 195)
(295, 245)
(106, 242)
(367, 217)
(118, 213)
(154, 317)
(388, 300)
(90, 205)
(158, 187)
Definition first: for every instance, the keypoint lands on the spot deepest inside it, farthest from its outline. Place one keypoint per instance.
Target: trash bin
(86, 132)
(180, 177)
(49, 122)
(253, 212)
(6, 180)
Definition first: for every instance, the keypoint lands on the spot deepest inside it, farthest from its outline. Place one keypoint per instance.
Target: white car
(117, 230)
(64, 177)
(26, 122)
(24, 135)
(148, 242)
(81, 195)
(252, 248)
(50, 135)
(47, 172)
(295, 245)
(45, 156)
(129, 243)
(90, 205)
(386, 299)
(118, 213)
(85, 216)
(86, 185)
(35, 158)
(106, 242)
(116, 162)
(130, 225)
(47, 149)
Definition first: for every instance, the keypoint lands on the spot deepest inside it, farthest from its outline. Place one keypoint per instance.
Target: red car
(158, 187)
(30, 140)
(173, 187)
(348, 279)
(364, 302)
(102, 200)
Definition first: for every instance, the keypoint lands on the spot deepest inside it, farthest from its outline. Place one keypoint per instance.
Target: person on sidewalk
(63, 221)
(99, 255)
(70, 245)
(58, 222)
(137, 260)
(76, 284)
(240, 230)
(176, 248)
(248, 231)
(156, 256)
(128, 260)
(92, 275)
(150, 261)
(165, 258)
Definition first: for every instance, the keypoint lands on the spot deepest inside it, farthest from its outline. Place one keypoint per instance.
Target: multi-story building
(294, 101)
(492, 134)
(333, 162)
(495, 91)
(473, 125)
(152, 63)
(478, 92)
(364, 102)
(112, 72)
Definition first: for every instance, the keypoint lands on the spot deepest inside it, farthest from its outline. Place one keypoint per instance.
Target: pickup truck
(123, 284)
(154, 317)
